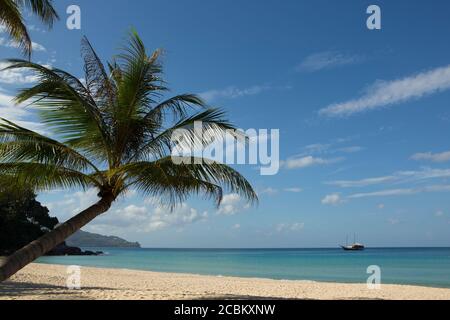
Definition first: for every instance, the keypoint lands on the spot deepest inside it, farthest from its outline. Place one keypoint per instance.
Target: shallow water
(415, 266)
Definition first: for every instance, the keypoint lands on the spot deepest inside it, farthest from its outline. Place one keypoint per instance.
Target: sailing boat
(353, 247)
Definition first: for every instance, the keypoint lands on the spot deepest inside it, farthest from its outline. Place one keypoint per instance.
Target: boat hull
(355, 248)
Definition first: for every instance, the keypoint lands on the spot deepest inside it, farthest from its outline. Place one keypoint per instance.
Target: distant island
(87, 239)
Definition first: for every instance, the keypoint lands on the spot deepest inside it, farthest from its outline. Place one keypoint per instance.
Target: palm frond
(98, 82)
(213, 126)
(45, 176)
(67, 107)
(179, 177)
(43, 9)
(176, 106)
(11, 18)
(18, 144)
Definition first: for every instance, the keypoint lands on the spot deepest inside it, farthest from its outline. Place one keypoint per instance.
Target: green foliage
(11, 17)
(22, 218)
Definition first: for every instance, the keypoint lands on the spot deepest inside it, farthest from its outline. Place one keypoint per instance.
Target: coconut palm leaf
(11, 17)
(18, 144)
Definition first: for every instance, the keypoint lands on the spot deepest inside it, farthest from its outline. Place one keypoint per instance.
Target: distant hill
(88, 239)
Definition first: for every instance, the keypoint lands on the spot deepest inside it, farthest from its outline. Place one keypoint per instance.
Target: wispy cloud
(233, 92)
(396, 177)
(381, 193)
(35, 28)
(339, 145)
(15, 76)
(351, 149)
(308, 161)
(361, 183)
(386, 93)
(232, 204)
(293, 190)
(17, 113)
(145, 216)
(290, 227)
(326, 60)
(401, 192)
(332, 199)
(269, 191)
(316, 154)
(434, 157)
(439, 213)
(393, 221)
(12, 44)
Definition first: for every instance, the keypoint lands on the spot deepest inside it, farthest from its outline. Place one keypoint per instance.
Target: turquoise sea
(415, 266)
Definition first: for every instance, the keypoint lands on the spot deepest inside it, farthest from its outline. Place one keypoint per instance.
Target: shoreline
(237, 276)
(48, 281)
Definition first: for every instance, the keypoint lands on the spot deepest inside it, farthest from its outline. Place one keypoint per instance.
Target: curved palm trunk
(41, 246)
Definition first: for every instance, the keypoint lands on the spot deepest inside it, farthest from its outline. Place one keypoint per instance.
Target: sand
(44, 281)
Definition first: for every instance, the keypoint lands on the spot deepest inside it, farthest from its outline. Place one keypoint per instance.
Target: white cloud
(15, 76)
(332, 199)
(180, 217)
(72, 203)
(7, 108)
(436, 188)
(439, 213)
(294, 190)
(351, 149)
(385, 93)
(308, 161)
(38, 47)
(269, 191)
(319, 154)
(401, 192)
(144, 217)
(396, 177)
(434, 157)
(389, 192)
(326, 60)
(29, 27)
(317, 148)
(11, 44)
(231, 204)
(289, 227)
(393, 221)
(237, 226)
(233, 92)
(17, 114)
(37, 29)
(381, 206)
(362, 182)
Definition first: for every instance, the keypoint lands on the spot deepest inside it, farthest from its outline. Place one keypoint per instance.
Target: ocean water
(415, 266)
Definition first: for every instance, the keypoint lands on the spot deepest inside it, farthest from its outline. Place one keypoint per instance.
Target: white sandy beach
(43, 281)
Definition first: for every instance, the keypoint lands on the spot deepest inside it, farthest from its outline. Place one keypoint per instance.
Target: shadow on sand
(18, 290)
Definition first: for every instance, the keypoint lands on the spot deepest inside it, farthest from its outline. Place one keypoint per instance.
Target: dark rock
(64, 250)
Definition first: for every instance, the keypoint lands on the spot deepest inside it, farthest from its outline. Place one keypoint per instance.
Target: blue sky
(363, 116)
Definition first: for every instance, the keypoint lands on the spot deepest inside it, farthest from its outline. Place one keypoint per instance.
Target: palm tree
(11, 18)
(113, 133)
